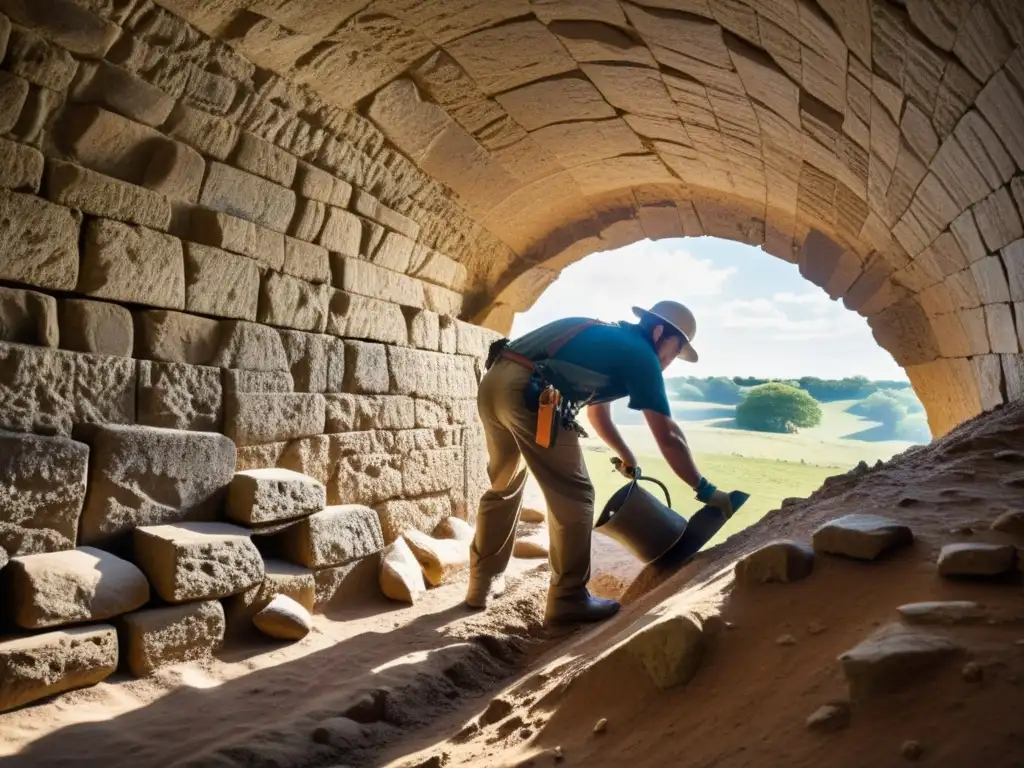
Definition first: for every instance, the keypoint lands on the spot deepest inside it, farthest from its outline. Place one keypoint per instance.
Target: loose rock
(976, 559)
(334, 536)
(454, 528)
(198, 561)
(863, 537)
(280, 578)
(401, 577)
(284, 619)
(830, 717)
(157, 637)
(972, 672)
(83, 584)
(943, 612)
(601, 726)
(912, 750)
(785, 640)
(258, 496)
(38, 666)
(441, 559)
(533, 545)
(1010, 522)
(670, 650)
(778, 561)
(892, 658)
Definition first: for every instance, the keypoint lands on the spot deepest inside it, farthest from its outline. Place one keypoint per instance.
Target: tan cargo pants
(511, 429)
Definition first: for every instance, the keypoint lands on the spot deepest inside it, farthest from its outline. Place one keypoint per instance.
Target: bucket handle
(637, 477)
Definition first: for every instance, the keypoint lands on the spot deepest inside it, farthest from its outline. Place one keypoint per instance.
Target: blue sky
(756, 316)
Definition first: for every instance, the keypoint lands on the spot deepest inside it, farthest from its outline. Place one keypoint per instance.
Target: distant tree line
(729, 391)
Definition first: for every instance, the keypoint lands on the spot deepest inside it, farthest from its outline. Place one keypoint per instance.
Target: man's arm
(600, 418)
(674, 447)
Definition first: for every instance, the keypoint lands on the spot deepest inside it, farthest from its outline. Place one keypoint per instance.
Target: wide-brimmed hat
(679, 317)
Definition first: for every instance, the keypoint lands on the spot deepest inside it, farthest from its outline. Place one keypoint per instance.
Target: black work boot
(579, 608)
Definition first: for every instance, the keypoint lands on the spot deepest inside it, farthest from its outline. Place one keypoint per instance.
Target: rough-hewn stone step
(271, 495)
(158, 637)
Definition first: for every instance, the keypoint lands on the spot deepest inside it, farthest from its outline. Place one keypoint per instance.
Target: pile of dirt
(833, 668)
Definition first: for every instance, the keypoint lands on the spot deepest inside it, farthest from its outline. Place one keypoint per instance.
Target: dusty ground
(378, 685)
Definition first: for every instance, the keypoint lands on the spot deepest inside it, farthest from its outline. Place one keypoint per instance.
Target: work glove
(624, 469)
(712, 497)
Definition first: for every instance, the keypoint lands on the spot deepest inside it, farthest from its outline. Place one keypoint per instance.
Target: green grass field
(769, 467)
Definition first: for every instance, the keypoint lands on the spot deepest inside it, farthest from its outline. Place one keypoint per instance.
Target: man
(588, 363)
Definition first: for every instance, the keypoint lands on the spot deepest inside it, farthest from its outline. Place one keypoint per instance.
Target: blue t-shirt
(622, 353)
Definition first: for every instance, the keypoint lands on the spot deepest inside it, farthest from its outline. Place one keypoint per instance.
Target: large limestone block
(430, 374)
(251, 347)
(288, 302)
(106, 142)
(432, 471)
(38, 666)
(46, 391)
(175, 170)
(270, 495)
(442, 560)
(363, 317)
(197, 561)
(158, 637)
(280, 578)
(366, 371)
(28, 317)
(317, 361)
(242, 194)
(40, 242)
(401, 577)
(95, 327)
(255, 155)
(146, 476)
(132, 264)
(893, 658)
(306, 261)
(220, 283)
(65, 23)
(334, 536)
(21, 166)
(777, 561)
(175, 337)
(342, 233)
(39, 61)
(977, 559)
(179, 396)
(93, 193)
(85, 584)
(256, 417)
(355, 413)
(284, 619)
(244, 382)
(121, 91)
(221, 230)
(864, 537)
(365, 478)
(398, 516)
(42, 492)
(366, 279)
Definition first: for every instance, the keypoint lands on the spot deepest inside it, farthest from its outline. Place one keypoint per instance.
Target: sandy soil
(435, 685)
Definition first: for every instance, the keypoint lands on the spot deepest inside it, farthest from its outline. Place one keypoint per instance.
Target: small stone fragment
(441, 559)
(977, 559)
(1010, 522)
(892, 658)
(454, 528)
(284, 619)
(157, 637)
(863, 537)
(496, 711)
(785, 640)
(778, 561)
(943, 612)
(972, 672)
(401, 577)
(830, 717)
(270, 495)
(816, 627)
(601, 726)
(280, 578)
(912, 750)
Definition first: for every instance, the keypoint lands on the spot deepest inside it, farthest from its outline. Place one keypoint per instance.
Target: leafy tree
(719, 389)
(880, 406)
(688, 392)
(776, 407)
(913, 429)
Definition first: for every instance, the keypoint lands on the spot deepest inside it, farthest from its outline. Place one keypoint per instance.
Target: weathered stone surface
(670, 650)
(1010, 522)
(220, 283)
(977, 559)
(255, 155)
(119, 90)
(42, 493)
(212, 136)
(242, 194)
(308, 221)
(40, 62)
(430, 374)
(265, 382)
(268, 495)
(362, 317)
(317, 361)
(334, 536)
(943, 612)
(342, 232)
(356, 413)
(197, 561)
(95, 327)
(442, 300)
(401, 515)
(132, 264)
(779, 561)
(179, 396)
(158, 637)
(424, 328)
(175, 337)
(284, 619)
(893, 658)
(349, 584)
(41, 242)
(280, 578)
(28, 317)
(13, 94)
(221, 230)
(288, 302)
(21, 167)
(250, 347)
(147, 476)
(366, 279)
(829, 717)
(46, 391)
(63, 22)
(366, 369)
(107, 142)
(432, 471)
(90, 192)
(39, 666)
(256, 417)
(306, 261)
(175, 170)
(864, 537)
(442, 560)
(365, 478)
(401, 577)
(85, 584)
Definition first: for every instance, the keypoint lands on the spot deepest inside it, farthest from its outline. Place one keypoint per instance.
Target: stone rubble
(977, 559)
(284, 619)
(777, 561)
(401, 576)
(863, 537)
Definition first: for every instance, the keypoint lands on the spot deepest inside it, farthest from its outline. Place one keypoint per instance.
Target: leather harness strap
(553, 347)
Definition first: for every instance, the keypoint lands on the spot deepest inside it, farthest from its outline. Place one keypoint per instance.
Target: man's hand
(625, 469)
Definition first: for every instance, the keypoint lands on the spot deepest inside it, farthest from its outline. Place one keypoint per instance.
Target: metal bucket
(640, 522)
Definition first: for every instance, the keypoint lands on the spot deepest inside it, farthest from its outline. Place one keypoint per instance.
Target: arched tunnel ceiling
(876, 143)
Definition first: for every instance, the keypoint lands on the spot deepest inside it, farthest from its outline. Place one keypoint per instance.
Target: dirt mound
(842, 667)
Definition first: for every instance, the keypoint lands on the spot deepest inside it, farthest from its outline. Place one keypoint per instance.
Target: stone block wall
(192, 242)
